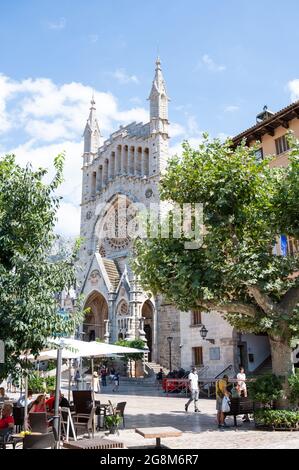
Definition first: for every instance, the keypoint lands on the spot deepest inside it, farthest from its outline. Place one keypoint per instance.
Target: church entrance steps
(152, 368)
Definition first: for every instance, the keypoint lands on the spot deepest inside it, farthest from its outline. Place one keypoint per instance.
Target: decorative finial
(92, 99)
(158, 62)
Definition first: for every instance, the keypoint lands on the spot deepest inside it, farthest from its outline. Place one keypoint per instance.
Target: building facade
(117, 176)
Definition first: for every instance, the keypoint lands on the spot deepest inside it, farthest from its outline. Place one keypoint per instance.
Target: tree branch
(290, 300)
(263, 300)
(231, 307)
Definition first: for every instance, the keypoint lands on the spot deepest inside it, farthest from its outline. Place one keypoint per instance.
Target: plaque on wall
(214, 354)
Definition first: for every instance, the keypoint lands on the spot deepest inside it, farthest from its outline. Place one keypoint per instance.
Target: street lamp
(203, 334)
(169, 339)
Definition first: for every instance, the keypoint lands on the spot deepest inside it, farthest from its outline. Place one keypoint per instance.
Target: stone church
(122, 172)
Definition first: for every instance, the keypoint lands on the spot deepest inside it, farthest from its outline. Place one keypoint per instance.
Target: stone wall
(220, 331)
(169, 325)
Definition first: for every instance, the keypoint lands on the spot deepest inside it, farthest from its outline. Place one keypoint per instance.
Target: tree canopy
(247, 206)
(29, 280)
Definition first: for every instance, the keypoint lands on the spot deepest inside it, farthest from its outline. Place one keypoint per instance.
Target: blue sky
(223, 60)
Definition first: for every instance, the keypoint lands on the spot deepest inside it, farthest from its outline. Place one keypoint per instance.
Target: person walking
(221, 392)
(104, 376)
(193, 385)
(77, 379)
(116, 382)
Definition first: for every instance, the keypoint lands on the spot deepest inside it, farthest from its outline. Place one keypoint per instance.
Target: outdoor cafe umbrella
(69, 348)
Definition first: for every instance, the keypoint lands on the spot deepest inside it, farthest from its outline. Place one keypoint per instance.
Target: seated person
(6, 420)
(21, 400)
(38, 405)
(235, 391)
(3, 396)
(50, 403)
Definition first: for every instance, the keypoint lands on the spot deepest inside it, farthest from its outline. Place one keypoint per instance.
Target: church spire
(159, 102)
(92, 132)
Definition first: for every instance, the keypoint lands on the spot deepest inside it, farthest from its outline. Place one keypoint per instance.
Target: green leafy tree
(29, 280)
(247, 205)
(133, 343)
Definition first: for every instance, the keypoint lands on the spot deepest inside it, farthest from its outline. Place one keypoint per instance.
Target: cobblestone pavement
(151, 408)
(148, 407)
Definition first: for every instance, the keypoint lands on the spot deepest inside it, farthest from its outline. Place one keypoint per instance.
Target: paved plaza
(147, 407)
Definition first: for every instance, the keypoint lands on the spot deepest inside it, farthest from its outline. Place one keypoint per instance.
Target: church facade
(117, 176)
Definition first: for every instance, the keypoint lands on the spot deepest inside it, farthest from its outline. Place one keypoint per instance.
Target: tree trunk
(282, 358)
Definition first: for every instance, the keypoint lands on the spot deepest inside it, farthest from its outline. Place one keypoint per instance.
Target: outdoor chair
(42, 441)
(38, 422)
(5, 438)
(85, 421)
(120, 410)
(18, 415)
(82, 401)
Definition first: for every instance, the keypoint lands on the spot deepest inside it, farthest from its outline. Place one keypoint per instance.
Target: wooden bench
(158, 433)
(240, 406)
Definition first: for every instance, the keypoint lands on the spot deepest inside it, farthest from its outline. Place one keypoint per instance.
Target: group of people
(99, 378)
(223, 390)
(38, 405)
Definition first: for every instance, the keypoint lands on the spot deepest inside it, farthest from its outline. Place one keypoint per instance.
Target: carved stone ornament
(148, 193)
(95, 276)
(89, 215)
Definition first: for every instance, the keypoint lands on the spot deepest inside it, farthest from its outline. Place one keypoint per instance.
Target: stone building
(117, 176)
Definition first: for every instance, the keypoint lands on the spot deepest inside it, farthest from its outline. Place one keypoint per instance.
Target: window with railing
(196, 317)
(197, 356)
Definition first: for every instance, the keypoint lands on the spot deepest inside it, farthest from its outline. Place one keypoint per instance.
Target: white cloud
(231, 109)
(59, 24)
(210, 64)
(176, 129)
(123, 77)
(68, 223)
(293, 88)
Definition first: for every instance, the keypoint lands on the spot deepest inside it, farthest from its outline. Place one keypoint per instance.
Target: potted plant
(112, 422)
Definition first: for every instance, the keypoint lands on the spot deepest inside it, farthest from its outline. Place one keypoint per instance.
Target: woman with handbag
(221, 404)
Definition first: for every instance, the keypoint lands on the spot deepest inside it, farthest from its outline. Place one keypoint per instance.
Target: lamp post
(169, 339)
(203, 334)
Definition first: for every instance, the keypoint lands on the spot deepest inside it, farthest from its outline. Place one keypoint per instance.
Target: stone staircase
(264, 368)
(152, 368)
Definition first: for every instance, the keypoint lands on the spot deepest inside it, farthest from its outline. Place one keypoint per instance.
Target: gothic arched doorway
(94, 321)
(147, 313)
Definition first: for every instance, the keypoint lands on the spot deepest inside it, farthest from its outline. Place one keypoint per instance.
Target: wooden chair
(120, 410)
(38, 422)
(18, 415)
(85, 421)
(42, 441)
(82, 401)
(5, 437)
